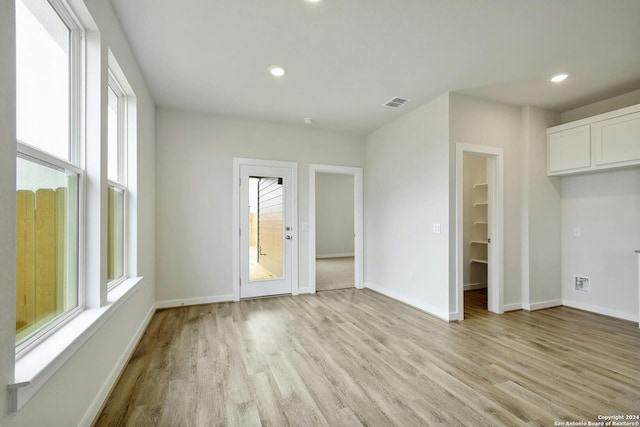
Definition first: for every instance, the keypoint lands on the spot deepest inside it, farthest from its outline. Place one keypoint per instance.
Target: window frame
(122, 96)
(118, 280)
(76, 165)
(121, 184)
(32, 154)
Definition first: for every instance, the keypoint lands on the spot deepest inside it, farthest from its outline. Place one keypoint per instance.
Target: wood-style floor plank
(356, 358)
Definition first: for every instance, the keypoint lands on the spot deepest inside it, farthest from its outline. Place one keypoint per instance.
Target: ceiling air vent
(396, 102)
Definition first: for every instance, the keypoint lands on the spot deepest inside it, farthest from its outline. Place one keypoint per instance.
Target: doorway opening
(476, 238)
(479, 225)
(336, 227)
(335, 253)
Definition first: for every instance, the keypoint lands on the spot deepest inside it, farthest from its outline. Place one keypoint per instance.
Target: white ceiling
(345, 58)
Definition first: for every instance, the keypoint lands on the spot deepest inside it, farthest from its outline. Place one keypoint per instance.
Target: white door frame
(495, 267)
(237, 162)
(358, 220)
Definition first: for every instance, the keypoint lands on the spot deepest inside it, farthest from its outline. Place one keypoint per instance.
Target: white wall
(540, 214)
(475, 172)
(605, 207)
(406, 191)
(334, 215)
(73, 393)
(604, 106)
(7, 202)
(113, 37)
(481, 122)
(194, 191)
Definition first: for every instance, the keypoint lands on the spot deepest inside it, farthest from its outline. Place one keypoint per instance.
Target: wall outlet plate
(582, 284)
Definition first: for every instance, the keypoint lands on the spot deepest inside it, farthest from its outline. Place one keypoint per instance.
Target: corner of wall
(540, 221)
(7, 202)
(405, 158)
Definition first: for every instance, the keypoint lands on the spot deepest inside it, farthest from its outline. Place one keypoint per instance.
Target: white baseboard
(455, 316)
(340, 255)
(306, 290)
(474, 286)
(601, 310)
(97, 402)
(193, 301)
(409, 301)
(543, 304)
(512, 307)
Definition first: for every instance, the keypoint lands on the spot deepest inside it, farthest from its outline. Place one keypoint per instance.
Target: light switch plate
(436, 228)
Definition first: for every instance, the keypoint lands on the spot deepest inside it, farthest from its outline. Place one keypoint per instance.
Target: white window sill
(35, 368)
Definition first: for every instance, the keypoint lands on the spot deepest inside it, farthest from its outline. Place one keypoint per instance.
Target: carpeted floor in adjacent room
(334, 273)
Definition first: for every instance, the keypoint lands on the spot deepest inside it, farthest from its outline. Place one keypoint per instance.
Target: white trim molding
(101, 397)
(542, 305)
(495, 175)
(418, 305)
(358, 220)
(35, 368)
(601, 310)
(193, 301)
(341, 255)
(512, 307)
(474, 286)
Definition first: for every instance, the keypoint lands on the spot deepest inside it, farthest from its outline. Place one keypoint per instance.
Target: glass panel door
(265, 233)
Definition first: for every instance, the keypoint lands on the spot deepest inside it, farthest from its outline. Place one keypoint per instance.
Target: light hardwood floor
(354, 357)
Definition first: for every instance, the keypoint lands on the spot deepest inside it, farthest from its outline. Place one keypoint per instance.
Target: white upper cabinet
(616, 141)
(601, 142)
(569, 150)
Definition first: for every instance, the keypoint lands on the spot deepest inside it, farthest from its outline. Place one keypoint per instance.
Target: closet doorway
(475, 213)
(336, 226)
(479, 227)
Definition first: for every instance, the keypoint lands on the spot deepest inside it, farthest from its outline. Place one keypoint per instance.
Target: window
(43, 78)
(48, 171)
(116, 174)
(47, 244)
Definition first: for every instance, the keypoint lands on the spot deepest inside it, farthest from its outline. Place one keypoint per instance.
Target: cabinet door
(617, 141)
(569, 151)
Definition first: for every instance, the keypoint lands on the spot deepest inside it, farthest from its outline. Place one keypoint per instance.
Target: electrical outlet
(577, 232)
(582, 284)
(436, 228)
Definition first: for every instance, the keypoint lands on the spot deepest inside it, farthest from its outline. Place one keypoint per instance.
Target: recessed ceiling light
(558, 78)
(277, 71)
(313, 1)
(308, 120)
